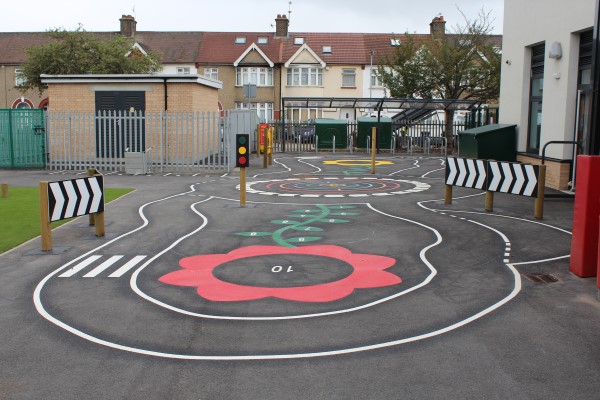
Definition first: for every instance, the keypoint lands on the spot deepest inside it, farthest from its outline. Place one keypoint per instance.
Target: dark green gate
(22, 138)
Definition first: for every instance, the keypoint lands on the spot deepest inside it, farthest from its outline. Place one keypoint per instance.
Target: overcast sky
(365, 16)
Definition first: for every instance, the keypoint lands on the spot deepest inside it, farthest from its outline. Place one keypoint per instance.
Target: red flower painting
(368, 272)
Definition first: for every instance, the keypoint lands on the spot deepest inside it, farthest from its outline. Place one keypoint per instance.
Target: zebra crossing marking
(102, 267)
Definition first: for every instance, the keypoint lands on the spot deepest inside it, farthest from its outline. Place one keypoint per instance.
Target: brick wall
(558, 174)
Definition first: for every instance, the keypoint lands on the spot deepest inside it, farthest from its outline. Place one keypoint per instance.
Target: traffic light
(242, 145)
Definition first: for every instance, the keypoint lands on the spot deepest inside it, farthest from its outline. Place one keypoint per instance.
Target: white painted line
(85, 196)
(60, 201)
(127, 266)
(102, 267)
(70, 272)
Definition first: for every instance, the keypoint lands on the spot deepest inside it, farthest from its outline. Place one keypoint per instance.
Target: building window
(22, 103)
(19, 78)
(254, 75)
(305, 76)
(375, 78)
(327, 50)
(298, 40)
(349, 77)
(212, 73)
(299, 115)
(240, 40)
(183, 70)
(263, 40)
(263, 110)
(536, 90)
(394, 42)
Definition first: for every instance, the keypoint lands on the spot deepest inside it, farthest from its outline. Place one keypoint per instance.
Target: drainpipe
(166, 94)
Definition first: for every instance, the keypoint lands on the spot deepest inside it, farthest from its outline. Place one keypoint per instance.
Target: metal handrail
(559, 142)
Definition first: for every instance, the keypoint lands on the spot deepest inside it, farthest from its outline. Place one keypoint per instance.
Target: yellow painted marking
(354, 163)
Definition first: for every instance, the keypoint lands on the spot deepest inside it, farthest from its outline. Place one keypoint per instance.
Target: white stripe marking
(72, 195)
(85, 196)
(72, 271)
(126, 267)
(100, 268)
(60, 201)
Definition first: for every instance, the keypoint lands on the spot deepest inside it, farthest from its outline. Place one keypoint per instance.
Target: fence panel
(22, 138)
(170, 141)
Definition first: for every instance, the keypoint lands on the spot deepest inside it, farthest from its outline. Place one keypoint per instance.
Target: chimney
(281, 26)
(437, 26)
(128, 24)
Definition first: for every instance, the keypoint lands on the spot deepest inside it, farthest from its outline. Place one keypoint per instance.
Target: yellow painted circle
(354, 163)
(242, 150)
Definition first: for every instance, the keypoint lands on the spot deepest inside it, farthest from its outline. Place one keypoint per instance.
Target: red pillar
(586, 217)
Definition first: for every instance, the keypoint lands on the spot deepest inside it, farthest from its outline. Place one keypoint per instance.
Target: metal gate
(22, 138)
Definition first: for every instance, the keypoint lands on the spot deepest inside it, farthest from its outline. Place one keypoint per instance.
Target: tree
(462, 65)
(81, 52)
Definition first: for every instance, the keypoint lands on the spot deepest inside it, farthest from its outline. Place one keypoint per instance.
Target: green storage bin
(489, 142)
(384, 136)
(326, 129)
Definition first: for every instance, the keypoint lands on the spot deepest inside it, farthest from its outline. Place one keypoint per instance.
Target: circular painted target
(335, 187)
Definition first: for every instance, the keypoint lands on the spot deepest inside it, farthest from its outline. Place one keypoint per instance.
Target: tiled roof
(219, 48)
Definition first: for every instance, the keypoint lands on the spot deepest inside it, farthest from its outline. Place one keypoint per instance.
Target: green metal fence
(22, 139)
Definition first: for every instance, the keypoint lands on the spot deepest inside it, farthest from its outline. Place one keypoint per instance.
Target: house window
(19, 79)
(536, 90)
(375, 78)
(263, 40)
(212, 73)
(183, 70)
(264, 110)
(240, 40)
(22, 103)
(348, 77)
(254, 75)
(305, 76)
(298, 40)
(394, 42)
(327, 50)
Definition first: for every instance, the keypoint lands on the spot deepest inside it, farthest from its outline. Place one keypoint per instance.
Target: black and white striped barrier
(71, 198)
(496, 176)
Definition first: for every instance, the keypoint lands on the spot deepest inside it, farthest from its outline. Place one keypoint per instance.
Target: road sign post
(70, 198)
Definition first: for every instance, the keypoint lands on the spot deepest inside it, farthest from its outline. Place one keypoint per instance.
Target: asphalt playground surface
(331, 283)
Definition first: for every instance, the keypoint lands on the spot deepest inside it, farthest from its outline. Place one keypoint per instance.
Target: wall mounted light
(555, 51)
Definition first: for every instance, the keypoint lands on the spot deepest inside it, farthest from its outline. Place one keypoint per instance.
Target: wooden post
(538, 211)
(99, 220)
(448, 194)
(489, 201)
(4, 190)
(92, 172)
(373, 147)
(242, 187)
(46, 231)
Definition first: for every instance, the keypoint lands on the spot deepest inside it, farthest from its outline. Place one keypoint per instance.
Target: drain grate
(541, 278)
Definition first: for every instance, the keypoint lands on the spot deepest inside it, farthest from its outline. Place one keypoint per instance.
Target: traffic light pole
(242, 187)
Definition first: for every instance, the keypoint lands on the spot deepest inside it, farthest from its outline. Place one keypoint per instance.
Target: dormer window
(326, 49)
(298, 40)
(395, 42)
(240, 40)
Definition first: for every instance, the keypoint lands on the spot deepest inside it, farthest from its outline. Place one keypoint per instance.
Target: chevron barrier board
(467, 172)
(75, 197)
(513, 178)
(493, 176)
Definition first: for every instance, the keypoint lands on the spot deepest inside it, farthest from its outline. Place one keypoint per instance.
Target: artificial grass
(20, 214)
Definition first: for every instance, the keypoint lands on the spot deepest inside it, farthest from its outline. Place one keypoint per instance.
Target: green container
(384, 135)
(489, 142)
(328, 129)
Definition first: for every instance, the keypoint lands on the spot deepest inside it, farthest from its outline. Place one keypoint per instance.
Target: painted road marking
(102, 267)
(72, 271)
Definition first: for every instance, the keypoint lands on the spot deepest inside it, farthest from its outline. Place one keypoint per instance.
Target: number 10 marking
(279, 268)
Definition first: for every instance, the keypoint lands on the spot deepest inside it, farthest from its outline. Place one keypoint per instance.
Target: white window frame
(262, 40)
(263, 110)
(375, 79)
(327, 50)
(305, 76)
(211, 73)
(183, 70)
(298, 40)
(349, 77)
(259, 76)
(19, 79)
(240, 40)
